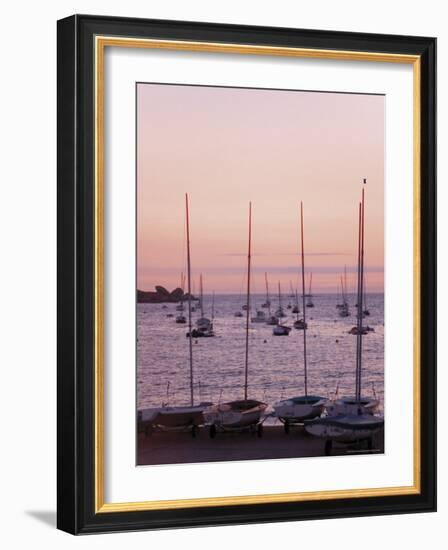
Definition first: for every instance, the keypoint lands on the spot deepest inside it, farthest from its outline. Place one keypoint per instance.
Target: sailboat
(351, 419)
(280, 313)
(344, 310)
(272, 319)
(279, 329)
(365, 310)
(204, 326)
(296, 308)
(310, 302)
(181, 319)
(297, 409)
(189, 416)
(242, 413)
(299, 324)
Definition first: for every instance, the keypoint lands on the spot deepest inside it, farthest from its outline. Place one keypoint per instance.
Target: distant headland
(162, 295)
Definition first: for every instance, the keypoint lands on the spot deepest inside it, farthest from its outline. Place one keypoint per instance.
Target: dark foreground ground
(181, 447)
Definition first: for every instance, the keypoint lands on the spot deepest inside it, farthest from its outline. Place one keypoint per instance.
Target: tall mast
(358, 304)
(246, 366)
(311, 281)
(190, 327)
(303, 301)
(267, 293)
(361, 293)
(360, 298)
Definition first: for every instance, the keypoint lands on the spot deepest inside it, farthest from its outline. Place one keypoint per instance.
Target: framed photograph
(246, 274)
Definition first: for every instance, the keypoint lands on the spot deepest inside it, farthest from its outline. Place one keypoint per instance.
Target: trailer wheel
(328, 447)
(260, 430)
(212, 431)
(286, 427)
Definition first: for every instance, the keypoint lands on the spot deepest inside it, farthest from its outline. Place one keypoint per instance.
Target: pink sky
(228, 146)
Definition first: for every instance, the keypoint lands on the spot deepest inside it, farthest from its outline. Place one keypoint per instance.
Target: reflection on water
(275, 362)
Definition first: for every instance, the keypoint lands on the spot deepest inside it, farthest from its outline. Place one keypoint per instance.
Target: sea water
(275, 362)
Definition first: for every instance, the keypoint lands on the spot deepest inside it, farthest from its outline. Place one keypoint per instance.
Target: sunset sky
(228, 146)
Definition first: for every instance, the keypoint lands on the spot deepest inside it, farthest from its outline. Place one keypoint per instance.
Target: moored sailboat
(271, 319)
(309, 302)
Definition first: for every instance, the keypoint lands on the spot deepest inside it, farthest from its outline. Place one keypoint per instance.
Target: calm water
(275, 362)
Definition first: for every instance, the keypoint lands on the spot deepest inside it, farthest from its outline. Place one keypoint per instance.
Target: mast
(190, 327)
(246, 365)
(360, 298)
(267, 293)
(303, 301)
(213, 306)
(311, 281)
(279, 297)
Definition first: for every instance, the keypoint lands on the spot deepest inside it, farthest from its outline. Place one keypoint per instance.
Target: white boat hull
(225, 416)
(297, 413)
(351, 406)
(172, 417)
(345, 428)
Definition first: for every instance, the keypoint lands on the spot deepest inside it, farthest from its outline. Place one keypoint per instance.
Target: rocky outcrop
(161, 296)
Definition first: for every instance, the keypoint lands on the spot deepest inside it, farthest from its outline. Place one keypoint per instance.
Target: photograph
(259, 273)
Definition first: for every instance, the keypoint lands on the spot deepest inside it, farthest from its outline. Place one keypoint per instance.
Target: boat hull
(345, 428)
(235, 415)
(348, 405)
(291, 412)
(172, 417)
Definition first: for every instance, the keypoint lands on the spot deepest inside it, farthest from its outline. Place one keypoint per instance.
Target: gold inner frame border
(100, 44)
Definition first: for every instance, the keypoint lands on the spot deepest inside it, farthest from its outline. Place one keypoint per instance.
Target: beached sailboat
(189, 416)
(351, 419)
(295, 410)
(242, 413)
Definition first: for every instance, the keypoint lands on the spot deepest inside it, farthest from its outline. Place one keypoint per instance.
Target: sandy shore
(181, 447)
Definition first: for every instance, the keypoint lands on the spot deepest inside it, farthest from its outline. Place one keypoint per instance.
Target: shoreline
(179, 447)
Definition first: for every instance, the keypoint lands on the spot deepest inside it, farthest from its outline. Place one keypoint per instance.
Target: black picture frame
(76, 284)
